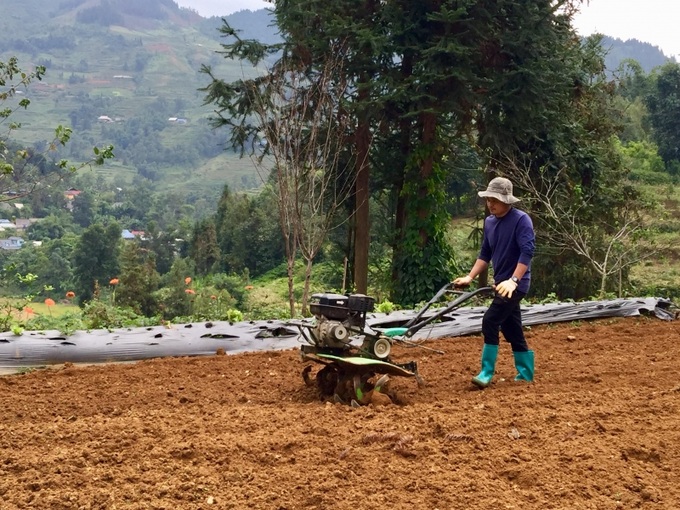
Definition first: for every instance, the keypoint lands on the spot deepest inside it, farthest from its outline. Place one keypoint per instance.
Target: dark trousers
(504, 315)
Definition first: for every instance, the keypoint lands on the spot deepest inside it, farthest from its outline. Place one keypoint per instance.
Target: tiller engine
(356, 360)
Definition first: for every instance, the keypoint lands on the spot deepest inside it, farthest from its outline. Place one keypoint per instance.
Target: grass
(38, 308)
(660, 273)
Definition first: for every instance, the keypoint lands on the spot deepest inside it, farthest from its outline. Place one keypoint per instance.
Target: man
(509, 245)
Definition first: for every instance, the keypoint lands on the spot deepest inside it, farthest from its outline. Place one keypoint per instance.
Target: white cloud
(651, 21)
(207, 8)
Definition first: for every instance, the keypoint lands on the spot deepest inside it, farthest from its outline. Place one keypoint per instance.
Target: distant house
(11, 243)
(72, 193)
(177, 120)
(6, 224)
(133, 234)
(24, 223)
(104, 118)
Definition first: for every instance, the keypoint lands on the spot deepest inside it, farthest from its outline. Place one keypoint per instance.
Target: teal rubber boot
(489, 355)
(524, 363)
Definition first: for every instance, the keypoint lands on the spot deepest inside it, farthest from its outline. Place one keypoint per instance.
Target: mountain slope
(135, 74)
(136, 64)
(646, 54)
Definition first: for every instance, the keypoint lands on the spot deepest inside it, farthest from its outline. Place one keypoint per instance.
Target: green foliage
(66, 323)
(203, 248)
(231, 284)
(176, 298)
(268, 310)
(98, 314)
(8, 312)
(426, 259)
(479, 71)
(650, 178)
(386, 306)
(549, 298)
(645, 165)
(12, 308)
(562, 275)
(96, 258)
(248, 233)
(138, 279)
(663, 102)
(234, 315)
(656, 289)
(50, 262)
(163, 245)
(588, 216)
(50, 227)
(189, 157)
(210, 304)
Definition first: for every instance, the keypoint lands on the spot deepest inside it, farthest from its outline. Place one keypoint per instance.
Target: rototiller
(356, 358)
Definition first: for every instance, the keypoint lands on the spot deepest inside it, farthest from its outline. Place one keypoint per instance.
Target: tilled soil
(598, 429)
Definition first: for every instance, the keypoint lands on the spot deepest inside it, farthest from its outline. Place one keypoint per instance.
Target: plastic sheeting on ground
(33, 348)
(467, 321)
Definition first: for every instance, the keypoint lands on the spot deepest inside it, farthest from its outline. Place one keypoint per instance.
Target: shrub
(100, 315)
(386, 307)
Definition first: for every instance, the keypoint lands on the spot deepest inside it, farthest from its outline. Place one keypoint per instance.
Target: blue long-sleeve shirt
(507, 241)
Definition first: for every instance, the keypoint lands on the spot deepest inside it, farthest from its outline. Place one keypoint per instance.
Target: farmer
(509, 245)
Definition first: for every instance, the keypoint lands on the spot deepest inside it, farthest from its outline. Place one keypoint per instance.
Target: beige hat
(500, 188)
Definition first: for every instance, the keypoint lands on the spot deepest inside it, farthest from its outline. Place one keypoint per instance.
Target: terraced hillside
(100, 76)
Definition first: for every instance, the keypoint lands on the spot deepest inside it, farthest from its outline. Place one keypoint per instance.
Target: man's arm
(479, 266)
(520, 270)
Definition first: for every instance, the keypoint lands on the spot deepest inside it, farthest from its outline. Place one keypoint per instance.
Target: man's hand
(463, 281)
(506, 288)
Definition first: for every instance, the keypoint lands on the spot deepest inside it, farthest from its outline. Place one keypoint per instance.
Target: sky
(207, 8)
(651, 21)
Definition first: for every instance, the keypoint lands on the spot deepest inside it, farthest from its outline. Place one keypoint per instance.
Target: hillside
(127, 76)
(126, 72)
(646, 54)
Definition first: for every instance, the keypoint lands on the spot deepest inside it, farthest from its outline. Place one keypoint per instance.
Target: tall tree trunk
(349, 255)
(361, 216)
(404, 150)
(305, 290)
(290, 267)
(429, 128)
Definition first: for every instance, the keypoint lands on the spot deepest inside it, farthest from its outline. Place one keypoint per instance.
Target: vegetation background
(209, 243)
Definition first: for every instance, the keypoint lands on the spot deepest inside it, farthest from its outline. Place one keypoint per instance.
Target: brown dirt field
(599, 429)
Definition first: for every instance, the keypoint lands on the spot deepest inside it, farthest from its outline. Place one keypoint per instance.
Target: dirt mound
(597, 430)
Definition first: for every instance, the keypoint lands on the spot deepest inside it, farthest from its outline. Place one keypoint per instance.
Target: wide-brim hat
(500, 188)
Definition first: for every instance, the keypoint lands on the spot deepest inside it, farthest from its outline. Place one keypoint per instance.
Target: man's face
(496, 207)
